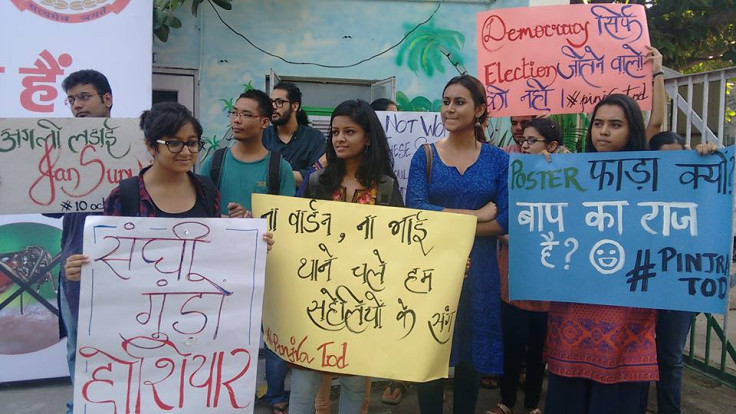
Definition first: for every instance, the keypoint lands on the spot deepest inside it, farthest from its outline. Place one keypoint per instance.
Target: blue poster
(648, 229)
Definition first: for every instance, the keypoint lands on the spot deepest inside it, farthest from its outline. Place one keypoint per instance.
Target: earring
(477, 123)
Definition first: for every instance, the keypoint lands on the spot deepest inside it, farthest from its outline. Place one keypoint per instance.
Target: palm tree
(426, 46)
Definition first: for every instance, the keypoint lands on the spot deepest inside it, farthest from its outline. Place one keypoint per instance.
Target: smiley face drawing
(607, 256)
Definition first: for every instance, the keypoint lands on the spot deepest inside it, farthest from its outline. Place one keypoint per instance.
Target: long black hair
(637, 132)
(376, 161)
(478, 93)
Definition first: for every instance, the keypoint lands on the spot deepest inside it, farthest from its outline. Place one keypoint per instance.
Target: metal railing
(699, 97)
(698, 111)
(717, 358)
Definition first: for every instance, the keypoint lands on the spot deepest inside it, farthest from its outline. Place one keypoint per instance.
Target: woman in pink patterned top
(601, 358)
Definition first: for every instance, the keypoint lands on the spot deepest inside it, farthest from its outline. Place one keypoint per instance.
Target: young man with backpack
(247, 167)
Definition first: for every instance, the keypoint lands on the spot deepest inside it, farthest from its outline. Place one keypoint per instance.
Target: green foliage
(164, 19)
(417, 104)
(212, 143)
(227, 104)
(425, 47)
(574, 127)
(730, 101)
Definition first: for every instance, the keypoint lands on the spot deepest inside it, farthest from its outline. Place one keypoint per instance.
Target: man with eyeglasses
(290, 134)
(245, 165)
(88, 96)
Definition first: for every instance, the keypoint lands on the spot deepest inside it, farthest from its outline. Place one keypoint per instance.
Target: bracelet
(657, 74)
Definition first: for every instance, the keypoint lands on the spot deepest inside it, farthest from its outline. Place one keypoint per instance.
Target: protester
(88, 96)
(602, 357)
(517, 133)
(300, 144)
(524, 323)
(167, 187)
(384, 104)
(380, 104)
(359, 170)
(238, 172)
(322, 401)
(466, 176)
(659, 95)
(243, 169)
(672, 326)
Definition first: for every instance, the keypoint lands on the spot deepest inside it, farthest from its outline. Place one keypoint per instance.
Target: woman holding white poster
(464, 175)
(167, 188)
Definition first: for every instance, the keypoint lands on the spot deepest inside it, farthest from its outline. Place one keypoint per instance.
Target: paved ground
(701, 395)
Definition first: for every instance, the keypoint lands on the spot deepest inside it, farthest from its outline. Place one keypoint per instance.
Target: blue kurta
(477, 338)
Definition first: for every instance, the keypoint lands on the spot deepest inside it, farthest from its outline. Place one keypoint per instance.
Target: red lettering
(43, 190)
(84, 163)
(495, 73)
(495, 30)
(338, 360)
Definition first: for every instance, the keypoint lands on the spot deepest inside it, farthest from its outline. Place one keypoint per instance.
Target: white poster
(69, 165)
(406, 132)
(46, 40)
(169, 315)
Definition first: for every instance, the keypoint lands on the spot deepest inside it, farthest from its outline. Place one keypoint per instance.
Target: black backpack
(130, 198)
(274, 170)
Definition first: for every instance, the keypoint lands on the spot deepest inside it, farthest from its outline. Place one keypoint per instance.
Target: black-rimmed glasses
(278, 103)
(530, 141)
(175, 146)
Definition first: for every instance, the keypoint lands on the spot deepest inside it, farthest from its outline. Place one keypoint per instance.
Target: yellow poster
(365, 290)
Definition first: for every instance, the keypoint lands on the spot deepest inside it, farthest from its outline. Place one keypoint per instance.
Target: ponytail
(301, 117)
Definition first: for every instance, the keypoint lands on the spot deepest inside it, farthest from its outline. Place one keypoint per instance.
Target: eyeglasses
(175, 146)
(278, 103)
(530, 141)
(236, 114)
(82, 97)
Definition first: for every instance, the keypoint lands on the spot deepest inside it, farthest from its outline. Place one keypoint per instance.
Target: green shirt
(238, 179)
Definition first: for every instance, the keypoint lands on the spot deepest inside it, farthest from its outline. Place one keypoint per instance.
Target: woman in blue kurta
(469, 177)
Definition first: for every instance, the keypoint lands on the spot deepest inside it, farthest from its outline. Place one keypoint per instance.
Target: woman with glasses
(524, 322)
(168, 188)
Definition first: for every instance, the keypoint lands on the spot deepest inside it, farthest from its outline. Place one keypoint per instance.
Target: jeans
(275, 377)
(71, 341)
(672, 329)
(465, 395)
(322, 402)
(304, 386)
